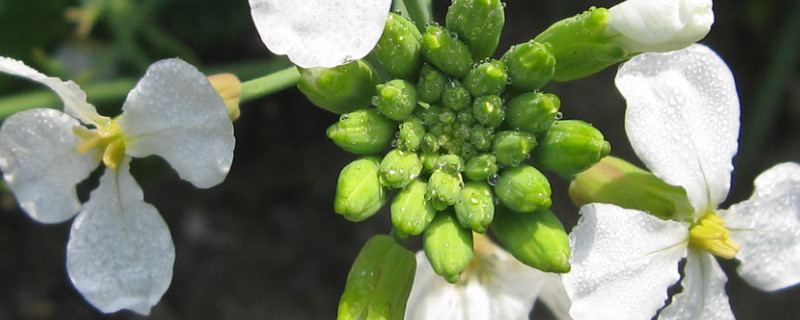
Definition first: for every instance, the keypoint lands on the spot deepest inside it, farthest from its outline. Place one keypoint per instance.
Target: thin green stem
(420, 12)
(269, 84)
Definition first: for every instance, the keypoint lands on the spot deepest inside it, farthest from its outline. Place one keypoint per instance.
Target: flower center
(107, 137)
(710, 234)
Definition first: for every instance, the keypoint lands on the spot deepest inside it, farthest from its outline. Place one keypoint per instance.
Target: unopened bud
(513, 147)
(533, 112)
(488, 110)
(537, 239)
(487, 78)
(481, 167)
(479, 23)
(359, 193)
(230, 89)
(409, 136)
(431, 84)
(475, 206)
(399, 48)
(411, 211)
(398, 168)
(362, 132)
(530, 65)
(569, 147)
(340, 89)
(396, 99)
(448, 246)
(450, 163)
(446, 52)
(443, 189)
(523, 189)
(455, 96)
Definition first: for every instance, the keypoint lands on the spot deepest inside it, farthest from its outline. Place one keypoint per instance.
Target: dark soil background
(266, 243)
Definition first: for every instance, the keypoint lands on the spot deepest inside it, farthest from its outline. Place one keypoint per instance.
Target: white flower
(320, 33)
(119, 254)
(683, 121)
(494, 286)
(659, 25)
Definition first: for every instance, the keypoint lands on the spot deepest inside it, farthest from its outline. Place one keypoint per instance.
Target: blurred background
(266, 244)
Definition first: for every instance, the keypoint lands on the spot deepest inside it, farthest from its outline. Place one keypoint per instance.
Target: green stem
(269, 84)
(420, 12)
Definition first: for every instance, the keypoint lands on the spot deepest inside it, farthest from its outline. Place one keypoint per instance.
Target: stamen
(709, 234)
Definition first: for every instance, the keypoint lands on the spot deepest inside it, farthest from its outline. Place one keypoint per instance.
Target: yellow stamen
(709, 234)
(107, 138)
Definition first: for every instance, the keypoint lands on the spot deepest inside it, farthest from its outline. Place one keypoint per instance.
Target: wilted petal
(175, 113)
(623, 261)
(683, 119)
(41, 164)
(767, 227)
(660, 25)
(320, 33)
(73, 97)
(703, 295)
(120, 252)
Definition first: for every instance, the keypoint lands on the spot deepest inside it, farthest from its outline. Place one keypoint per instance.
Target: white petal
(41, 163)
(623, 261)
(683, 119)
(120, 253)
(320, 33)
(661, 25)
(175, 113)
(74, 98)
(703, 295)
(767, 227)
(554, 296)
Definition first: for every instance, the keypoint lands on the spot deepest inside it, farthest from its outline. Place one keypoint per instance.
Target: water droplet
(492, 179)
(559, 115)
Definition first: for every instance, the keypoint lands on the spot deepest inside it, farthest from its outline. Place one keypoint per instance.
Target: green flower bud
(409, 136)
(488, 110)
(430, 143)
(411, 212)
(533, 112)
(429, 115)
(430, 161)
(399, 50)
(481, 167)
(450, 163)
(475, 206)
(537, 239)
(446, 52)
(523, 189)
(481, 137)
(359, 194)
(448, 246)
(530, 65)
(581, 45)
(398, 168)
(431, 84)
(379, 281)
(569, 147)
(455, 96)
(443, 189)
(396, 99)
(362, 132)
(487, 78)
(513, 147)
(341, 89)
(479, 23)
(613, 180)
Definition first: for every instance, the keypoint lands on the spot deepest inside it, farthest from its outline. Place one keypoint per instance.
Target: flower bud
(615, 181)
(488, 110)
(409, 136)
(398, 168)
(480, 167)
(359, 194)
(431, 84)
(362, 132)
(379, 282)
(475, 206)
(455, 96)
(340, 89)
(411, 211)
(430, 161)
(230, 89)
(487, 78)
(450, 163)
(396, 99)
(399, 48)
(513, 147)
(446, 52)
(523, 189)
(569, 147)
(479, 23)
(537, 238)
(530, 65)
(443, 189)
(430, 144)
(481, 137)
(448, 246)
(533, 112)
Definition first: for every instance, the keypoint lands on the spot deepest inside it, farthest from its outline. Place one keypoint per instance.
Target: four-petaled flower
(494, 286)
(120, 253)
(320, 33)
(683, 122)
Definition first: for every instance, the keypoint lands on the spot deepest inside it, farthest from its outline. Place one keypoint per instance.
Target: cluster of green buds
(467, 136)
